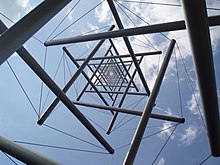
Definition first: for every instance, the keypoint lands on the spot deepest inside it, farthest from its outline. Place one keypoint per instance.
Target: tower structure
(112, 75)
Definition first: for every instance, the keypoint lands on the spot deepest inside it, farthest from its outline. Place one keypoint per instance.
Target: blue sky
(187, 145)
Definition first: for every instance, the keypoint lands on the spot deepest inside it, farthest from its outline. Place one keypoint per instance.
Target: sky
(179, 93)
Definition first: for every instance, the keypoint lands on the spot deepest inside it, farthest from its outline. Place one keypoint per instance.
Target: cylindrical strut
(129, 111)
(23, 154)
(129, 159)
(122, 56)
(12, 39)
(128, 45)
(198, 30)
(149, 29)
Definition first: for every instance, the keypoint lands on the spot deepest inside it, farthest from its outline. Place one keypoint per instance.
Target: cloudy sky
(179, 94)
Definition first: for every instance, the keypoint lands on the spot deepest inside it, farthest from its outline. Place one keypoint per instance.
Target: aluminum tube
(23, 154)
(12, 39)
(157, 28)
(129, 47)
(199, 36)
(71, 81)
(129, 159)
(130, 111)
(119, 92)
(123, 86)
(32, 63)
(111, 63)
(122, 56)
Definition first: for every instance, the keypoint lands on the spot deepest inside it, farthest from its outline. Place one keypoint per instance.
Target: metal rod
(123, 86)
(71, 81)
(129, 47)
(129, 159)
(26, 27)
(129, 111)
(32, 63)
(122, 56)
(149, 29)
(110, 63)
(120, 92)
(199, 35)
(23, 154)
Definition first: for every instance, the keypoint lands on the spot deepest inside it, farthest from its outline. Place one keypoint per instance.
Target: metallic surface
(157, 28)
(198, 30)
(17, 35)
(130, 157)
(23, 154)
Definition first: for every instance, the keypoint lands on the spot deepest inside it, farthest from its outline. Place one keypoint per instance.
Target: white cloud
(23, 3)
(189, 135)
(15, 9)
(194, 103)
(218, 93)
(94, 28)
(103, 12)
(215, 33)
(161, 161)
(70, 15)
(167, 130)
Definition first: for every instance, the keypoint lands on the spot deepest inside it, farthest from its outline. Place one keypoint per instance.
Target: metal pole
(111, 63)
(123, 86)
(26, 27)
(23, 154)
(198, 30)
(129, 159)
(157, 28)
(129, 47)
(122, 56)
(32, 63)
(120, 92)
(71, 81)
(130, 111)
